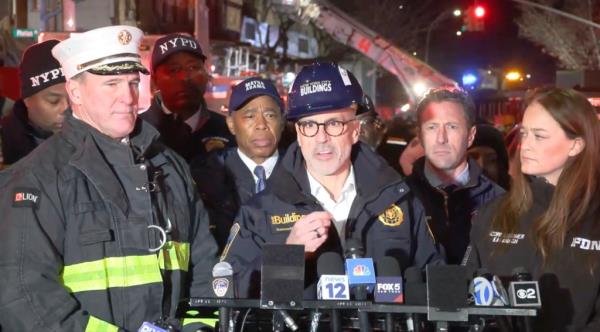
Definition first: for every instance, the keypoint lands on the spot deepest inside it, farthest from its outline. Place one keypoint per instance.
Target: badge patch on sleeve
(26, 197)
(392, 217)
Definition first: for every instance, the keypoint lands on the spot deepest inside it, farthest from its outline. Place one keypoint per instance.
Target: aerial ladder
(415, 75)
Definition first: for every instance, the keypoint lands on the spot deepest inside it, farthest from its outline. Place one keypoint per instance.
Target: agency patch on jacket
(283, 222)
(585, 244)
(26, 197)
(392, 216)
(506, 238)
(214, 143)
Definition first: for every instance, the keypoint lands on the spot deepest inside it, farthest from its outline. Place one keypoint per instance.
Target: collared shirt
(339, 209)
(461, 180)
(268, 164)
(192, 121)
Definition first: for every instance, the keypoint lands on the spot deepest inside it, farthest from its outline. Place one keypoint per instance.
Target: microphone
(389, 281)
(389, 286)
(282, 279)
(361, 277)
(481, 288)
(332, 285)
(500, 294)
(524, 292)
(415, 293)
(360, 271)
(222, 286)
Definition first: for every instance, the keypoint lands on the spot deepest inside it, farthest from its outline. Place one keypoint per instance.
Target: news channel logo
(361, 270)
(483, 292)
(220, 286)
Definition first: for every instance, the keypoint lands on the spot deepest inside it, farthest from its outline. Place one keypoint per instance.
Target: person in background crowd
(331, 187)
(549, 222)
(102, 227)
(227, 178)
(450, 185)
(489, 152)
(40, 111)
(410, 154)
(372, 129)
(178, 109)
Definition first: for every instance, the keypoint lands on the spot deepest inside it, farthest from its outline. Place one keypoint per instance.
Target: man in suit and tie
(256, 120)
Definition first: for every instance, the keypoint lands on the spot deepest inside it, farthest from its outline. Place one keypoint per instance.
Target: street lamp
(442, 16)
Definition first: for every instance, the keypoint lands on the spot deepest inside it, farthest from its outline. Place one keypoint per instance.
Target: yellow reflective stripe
(212, 322)
(111, 272)
(175, 256)
(98, 325)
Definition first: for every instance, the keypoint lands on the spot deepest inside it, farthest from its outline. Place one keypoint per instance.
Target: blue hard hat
(322, 87)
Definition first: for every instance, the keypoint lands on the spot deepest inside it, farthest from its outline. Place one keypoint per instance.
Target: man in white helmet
(102, 227)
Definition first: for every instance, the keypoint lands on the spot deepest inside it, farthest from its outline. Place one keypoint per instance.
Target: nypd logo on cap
(251, 88)
(107, 50)
(174, 43)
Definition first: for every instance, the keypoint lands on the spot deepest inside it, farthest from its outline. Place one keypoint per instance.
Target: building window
(250, 31)
(302, 45)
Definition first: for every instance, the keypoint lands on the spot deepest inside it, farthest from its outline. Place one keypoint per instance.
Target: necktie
(259, 171)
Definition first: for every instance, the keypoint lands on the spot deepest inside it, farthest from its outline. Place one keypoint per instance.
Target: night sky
(498, 46)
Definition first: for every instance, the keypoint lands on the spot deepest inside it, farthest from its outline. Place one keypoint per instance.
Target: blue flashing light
(469, 79)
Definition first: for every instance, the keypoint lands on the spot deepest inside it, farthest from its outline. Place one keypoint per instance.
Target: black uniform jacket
(19, 138)
(449, 213)
(79, 216)
(225, 183)
(384, 216)
(213, 134)
(570, 293)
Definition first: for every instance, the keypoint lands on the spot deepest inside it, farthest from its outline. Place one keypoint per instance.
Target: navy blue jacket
(449, 213)
(19, 137)
(213, 134)
(569, 281)
(224, 183)
(384, 216)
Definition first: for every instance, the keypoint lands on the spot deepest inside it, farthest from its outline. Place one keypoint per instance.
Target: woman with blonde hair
(548, 223)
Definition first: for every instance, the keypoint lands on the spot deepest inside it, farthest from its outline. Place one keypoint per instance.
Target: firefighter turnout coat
(82, 218)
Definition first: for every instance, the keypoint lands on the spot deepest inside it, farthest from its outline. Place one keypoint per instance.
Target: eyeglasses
(332, 127)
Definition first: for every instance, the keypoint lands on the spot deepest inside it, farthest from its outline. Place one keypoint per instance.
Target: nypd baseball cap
(251, 88)
(38, 69)
(174, 43)
(111, 50)
(322, 87)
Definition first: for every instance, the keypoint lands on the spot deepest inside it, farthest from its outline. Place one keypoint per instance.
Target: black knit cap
(39, 69)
